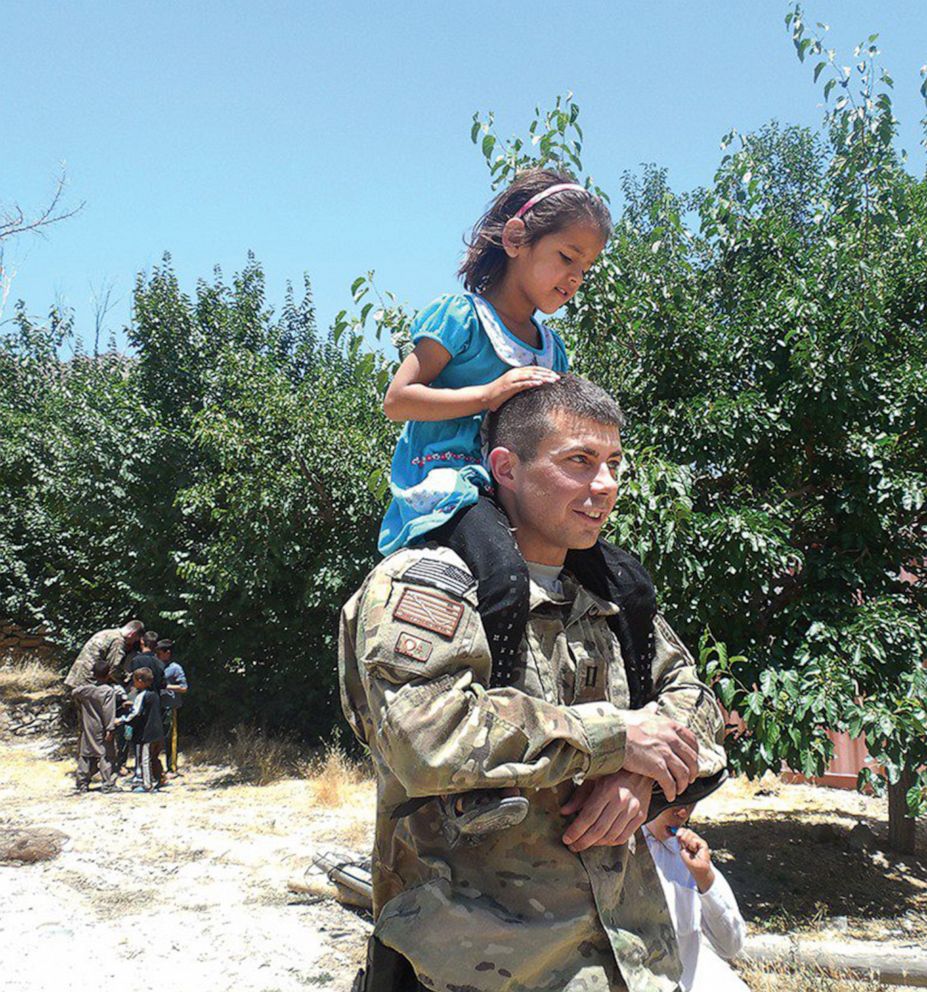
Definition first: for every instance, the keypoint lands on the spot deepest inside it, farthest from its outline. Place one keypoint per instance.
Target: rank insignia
(429, 610)
(413, 647)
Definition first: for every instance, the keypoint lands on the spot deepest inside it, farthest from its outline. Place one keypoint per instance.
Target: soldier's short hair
(133, 627)
(144, 675)
(101, 669)
(523, 421)
(149, 639)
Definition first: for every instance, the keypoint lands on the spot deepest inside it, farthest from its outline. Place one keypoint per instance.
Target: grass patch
(335, 776)
(254, 757)
(22, 675)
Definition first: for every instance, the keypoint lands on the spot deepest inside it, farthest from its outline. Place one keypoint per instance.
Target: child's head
(102, 671)
(519, 230)
(665, 824)
(143, 678)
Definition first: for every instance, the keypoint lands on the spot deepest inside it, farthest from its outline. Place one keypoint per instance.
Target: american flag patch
(440, 574)
(429, 610)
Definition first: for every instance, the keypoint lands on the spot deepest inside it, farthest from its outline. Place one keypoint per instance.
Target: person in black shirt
(145, 657)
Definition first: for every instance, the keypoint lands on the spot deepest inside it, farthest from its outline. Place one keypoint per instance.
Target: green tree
(216, 483)
(766, 336)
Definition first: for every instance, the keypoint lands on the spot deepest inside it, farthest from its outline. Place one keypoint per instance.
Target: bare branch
(102, 304)
(14, 221)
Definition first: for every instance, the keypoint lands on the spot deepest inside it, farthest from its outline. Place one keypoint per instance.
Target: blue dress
(438, 466)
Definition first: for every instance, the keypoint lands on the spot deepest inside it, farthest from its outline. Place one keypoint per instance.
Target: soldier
(110, 645)
(568, 899)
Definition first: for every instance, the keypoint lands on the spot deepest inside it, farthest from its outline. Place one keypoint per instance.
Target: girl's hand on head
(516, 381)
(696, 856)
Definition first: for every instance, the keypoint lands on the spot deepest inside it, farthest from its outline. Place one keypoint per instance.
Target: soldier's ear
(502, 464)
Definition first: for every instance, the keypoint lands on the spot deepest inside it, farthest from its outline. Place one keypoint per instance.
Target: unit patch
(440, 574)
(429, 610)
(413, 646)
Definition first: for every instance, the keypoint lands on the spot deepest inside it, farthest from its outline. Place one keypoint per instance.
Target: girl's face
(550, 270)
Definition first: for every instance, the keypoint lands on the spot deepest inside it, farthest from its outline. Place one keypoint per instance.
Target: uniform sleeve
(722, 923)
(115, 655)
(681, 696)
(438, 729)
(450, 321)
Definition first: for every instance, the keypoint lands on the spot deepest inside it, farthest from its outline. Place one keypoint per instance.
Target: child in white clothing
(709, 927)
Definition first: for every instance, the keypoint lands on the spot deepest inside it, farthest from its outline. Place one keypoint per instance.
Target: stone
(26, 846)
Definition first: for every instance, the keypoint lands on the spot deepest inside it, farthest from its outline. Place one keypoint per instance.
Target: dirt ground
(190, 885)
(185, 889)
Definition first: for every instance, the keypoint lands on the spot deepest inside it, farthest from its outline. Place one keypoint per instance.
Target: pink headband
(556, 188)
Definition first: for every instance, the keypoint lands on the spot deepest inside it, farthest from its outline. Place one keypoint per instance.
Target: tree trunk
(900, 825)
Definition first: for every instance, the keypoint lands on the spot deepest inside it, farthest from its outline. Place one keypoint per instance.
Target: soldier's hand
(661, 749)
(608, 810)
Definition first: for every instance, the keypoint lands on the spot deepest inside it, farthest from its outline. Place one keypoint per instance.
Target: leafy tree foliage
(216, 484)
(767, 337)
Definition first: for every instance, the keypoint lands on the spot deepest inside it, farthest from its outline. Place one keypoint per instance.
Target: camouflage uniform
(517, 911)
(108, 644)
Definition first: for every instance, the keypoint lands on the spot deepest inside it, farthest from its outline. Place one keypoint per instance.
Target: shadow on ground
(788, 871)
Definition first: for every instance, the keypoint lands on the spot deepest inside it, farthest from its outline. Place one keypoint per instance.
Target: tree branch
(14, 220)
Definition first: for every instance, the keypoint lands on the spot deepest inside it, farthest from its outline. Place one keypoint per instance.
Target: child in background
(709, 927)
(147, 732)
(473, 351)
(97, 702)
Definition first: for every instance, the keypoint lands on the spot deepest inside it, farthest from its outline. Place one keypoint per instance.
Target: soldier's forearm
(463, 737)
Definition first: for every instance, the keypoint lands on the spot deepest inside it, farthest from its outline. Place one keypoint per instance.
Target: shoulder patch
(413, 646)
(429, 610)
(440, 575)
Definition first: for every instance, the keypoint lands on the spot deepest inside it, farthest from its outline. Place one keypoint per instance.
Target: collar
(512, 351)
(581, 601)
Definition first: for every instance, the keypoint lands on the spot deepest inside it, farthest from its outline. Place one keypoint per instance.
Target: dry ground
(787, 853)
(190, 885)
(186, 888)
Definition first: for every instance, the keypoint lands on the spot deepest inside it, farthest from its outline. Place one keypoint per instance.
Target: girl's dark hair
(485, 260)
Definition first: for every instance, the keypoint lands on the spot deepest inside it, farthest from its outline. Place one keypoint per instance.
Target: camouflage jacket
(517, 911)
(108, 644)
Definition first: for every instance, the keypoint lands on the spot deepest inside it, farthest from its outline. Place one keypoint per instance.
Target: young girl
(473, 351)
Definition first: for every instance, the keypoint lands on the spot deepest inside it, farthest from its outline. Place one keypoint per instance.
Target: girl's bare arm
(412, 397)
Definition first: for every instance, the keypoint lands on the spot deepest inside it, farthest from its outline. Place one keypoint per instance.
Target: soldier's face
(561, 499)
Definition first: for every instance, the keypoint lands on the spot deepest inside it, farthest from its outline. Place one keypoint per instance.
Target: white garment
(708, 925)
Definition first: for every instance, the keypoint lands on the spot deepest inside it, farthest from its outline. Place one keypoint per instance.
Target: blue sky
(334, 138)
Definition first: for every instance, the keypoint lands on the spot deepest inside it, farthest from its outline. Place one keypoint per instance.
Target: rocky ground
(189, 887)
(185, 889)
